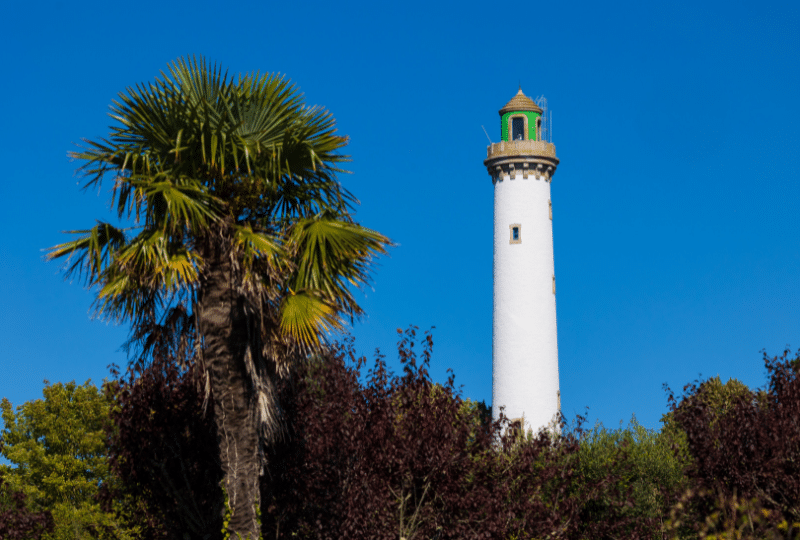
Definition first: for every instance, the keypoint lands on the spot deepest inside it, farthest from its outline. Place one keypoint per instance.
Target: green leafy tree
(243, 247)
(58, 446)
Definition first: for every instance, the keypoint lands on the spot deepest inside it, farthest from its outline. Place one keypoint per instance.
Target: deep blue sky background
(677, 244)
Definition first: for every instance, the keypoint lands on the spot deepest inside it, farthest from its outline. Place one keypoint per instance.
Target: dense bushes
(745, 450)
(387, 455)
(381, 455)
(400, 457)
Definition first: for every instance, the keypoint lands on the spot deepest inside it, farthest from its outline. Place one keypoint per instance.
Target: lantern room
(521, 119)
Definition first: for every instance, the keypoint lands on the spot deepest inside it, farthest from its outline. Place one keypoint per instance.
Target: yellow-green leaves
(176, 206)
(305, 318)
(252, 244)
(129, 272)
(331, 254)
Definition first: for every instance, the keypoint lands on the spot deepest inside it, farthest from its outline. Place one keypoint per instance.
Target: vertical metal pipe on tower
(524, 341)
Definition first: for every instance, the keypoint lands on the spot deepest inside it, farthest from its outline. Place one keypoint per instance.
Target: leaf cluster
(58, 446)
(645, 466)
(745, 445)
(367, 455)
(379, 454)
(17, 520)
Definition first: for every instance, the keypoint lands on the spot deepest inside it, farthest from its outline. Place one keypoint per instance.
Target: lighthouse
(524, 342)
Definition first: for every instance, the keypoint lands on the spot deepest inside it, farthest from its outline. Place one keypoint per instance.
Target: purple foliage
(17, 522)
(400, 456)
(163, 448)
(750, 448)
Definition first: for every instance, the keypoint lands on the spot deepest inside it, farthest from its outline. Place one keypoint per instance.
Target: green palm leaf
(93, 251)
(252, 244)
(333, 254)
(305, 318)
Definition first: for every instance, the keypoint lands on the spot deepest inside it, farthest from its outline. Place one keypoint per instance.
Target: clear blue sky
(677, 244)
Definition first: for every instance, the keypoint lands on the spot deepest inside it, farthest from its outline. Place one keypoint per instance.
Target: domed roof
(520, 102)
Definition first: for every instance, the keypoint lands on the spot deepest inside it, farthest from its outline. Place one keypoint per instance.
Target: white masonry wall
(525, 346)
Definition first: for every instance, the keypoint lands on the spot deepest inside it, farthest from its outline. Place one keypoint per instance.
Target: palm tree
(242, 250)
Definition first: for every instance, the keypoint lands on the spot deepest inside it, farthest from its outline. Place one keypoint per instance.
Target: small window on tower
(518, 128)
(516, 233)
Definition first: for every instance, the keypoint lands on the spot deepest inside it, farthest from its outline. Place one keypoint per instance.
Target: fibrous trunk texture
(223, 326)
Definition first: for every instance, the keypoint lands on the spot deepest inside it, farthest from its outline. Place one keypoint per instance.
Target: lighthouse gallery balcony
(527, 156)
(521, 148)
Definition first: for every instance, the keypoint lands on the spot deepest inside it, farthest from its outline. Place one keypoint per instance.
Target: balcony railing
(521, 148)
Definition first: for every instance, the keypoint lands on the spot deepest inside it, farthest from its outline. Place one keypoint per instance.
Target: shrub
(162, 445)
(745, 445)
(401, 457)
(382, 455)
(647, 470)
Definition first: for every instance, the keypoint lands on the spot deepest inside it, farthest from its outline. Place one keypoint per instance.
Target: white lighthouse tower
(524, 344)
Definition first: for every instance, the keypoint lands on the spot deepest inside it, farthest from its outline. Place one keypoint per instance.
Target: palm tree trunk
(223, 327)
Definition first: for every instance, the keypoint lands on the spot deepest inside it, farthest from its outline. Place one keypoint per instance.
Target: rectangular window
(516, 233)
(517, 129)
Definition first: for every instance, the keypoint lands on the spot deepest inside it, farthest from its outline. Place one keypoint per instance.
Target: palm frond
(158, 263)
(334, 254)
(305, 317)
(252, 244)
(197, 122)
(92, 252)
(176, 206)
(171, 336)
(125, 298)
